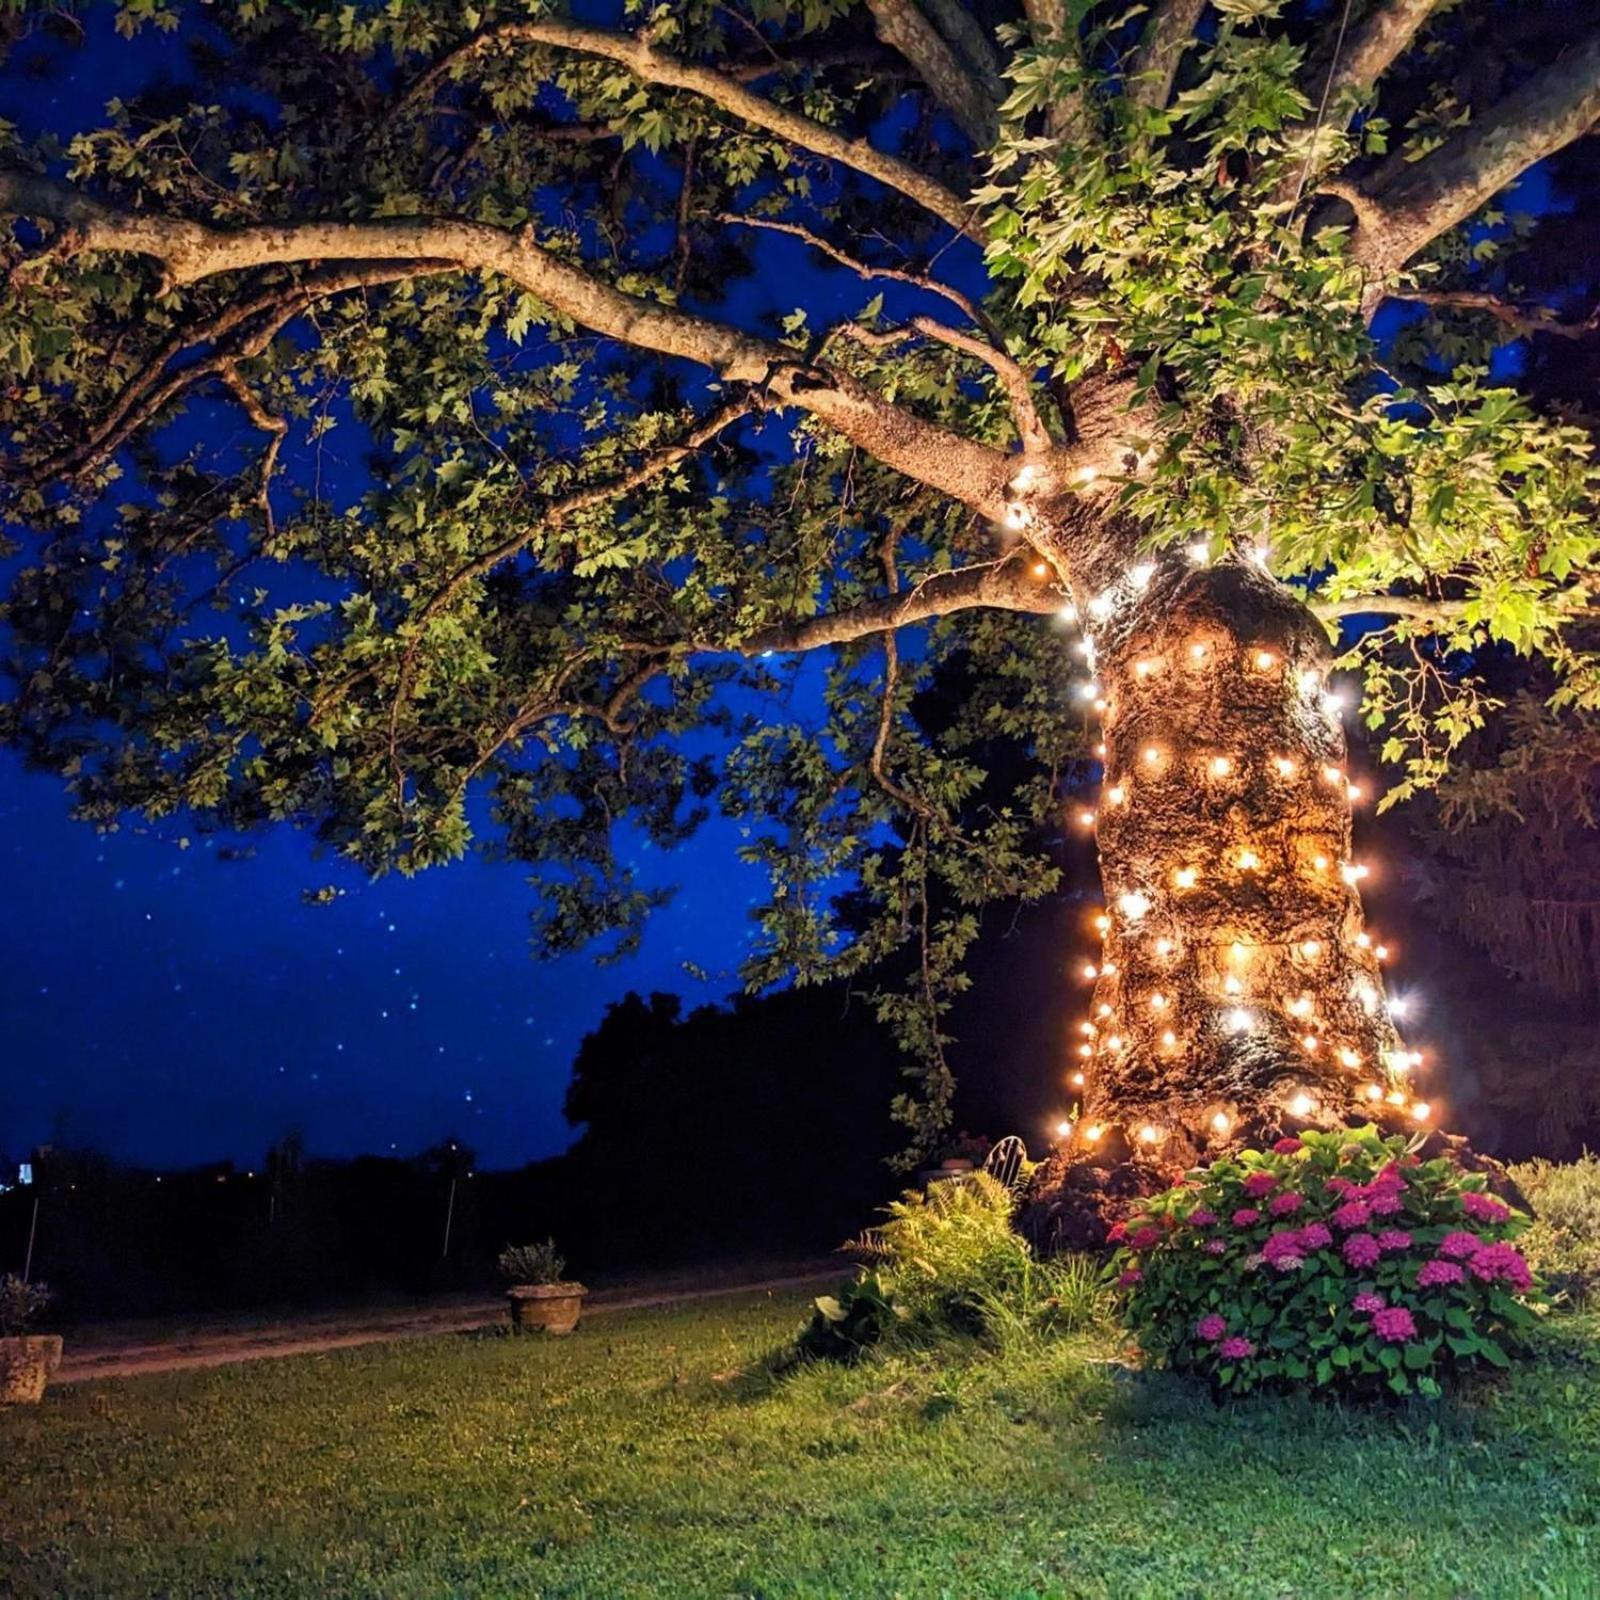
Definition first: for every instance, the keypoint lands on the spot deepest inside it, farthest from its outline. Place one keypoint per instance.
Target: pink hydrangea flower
(1368, 1302)
(1132, 1276)
(1285, 1204)
(1211, 1328)
(1245, 1215)
(1287, 1147)
(1501, 1263)
(1394, 1239)
(1215, 1247)
(1385, 1202)
(1284, 1251)
(1117, 1233)
(1484, 1207)
(1394, 1324)
(1143, 1238)
(1361, 1250)
(1315, 1236)
(1460, 1246)
(1434, 1273)
(1236, 1349)
(1353, 1214)
(1260, 1183)
(1201, 1218)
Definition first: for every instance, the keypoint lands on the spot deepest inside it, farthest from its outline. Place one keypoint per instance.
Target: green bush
(1336, 1260)
(948, 1262)
(532, 1263)
(20, 1303)
(1564, 1241)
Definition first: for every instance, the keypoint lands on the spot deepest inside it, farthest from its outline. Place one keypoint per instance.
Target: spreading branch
(1012, 583)
(191, 251)
(274, 427)
(902, 26)
(1155, 65)
(650, 65)
(1407, 205)
(1523, 321)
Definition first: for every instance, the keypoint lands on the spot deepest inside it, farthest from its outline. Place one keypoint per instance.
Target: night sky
(173, 1005)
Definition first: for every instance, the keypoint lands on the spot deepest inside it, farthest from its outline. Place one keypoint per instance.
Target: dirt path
(124, 1357)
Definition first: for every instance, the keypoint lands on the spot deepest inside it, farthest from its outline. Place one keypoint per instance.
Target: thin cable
(1322, 109)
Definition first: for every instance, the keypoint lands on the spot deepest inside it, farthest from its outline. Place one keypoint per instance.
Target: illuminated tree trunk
(1238, 994)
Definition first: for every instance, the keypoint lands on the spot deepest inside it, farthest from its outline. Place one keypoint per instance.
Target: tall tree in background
(1085, 341)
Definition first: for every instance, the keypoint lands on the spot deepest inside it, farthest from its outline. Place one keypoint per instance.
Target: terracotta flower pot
(26, 1364)
(552, 1307)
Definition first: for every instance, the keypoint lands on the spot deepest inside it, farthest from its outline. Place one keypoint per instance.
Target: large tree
(1075, 359)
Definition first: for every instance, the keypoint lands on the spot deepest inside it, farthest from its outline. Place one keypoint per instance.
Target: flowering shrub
(1335, 1259)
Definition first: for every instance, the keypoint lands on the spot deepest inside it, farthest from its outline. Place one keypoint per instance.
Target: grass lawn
(642, 1457)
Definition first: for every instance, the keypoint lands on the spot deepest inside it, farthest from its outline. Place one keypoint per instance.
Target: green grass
(643, 1457)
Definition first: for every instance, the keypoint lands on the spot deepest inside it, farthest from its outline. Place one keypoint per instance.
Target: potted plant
(26, 1360)
(538, 1295)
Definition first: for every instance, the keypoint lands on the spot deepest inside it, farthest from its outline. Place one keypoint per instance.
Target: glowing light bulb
(1421, 1111)
(1311, 949)
(1265, 661)
(1395, 1097)
(1086, 818)
(1063, 1130)
(1164, 947)
(1103, 923)
(1133, 905)
(1143, 669)
(1076, 1080)
(1363, 939)
(1302, 1105)
(1414, 1058)
(1149, 1133)
(1197, 652)
(1114, 1042)
(1101, 606)
(1100, 750)
(1371, 1091)
(1310, 1043)
(1141, 575)
(1238, 950)
(1249, 861)
(1238, 1020)
(1352, 872)
(1089, 972)
(1286, 768)
(1199, 553)
(1152, 755)
(1040, 570)
(1069, 614)
(1024, 479)
(1093, 1132)
(1319, 863)
(1381, 953)
(1104, 1009)
(1398, 1005)
(1088, 689)
(1333, 702)
(1116, 794)
(1158, 1002)
(1349, 1057)
(1300, 1006)
(1332, 775)
(1085, 1050)
(1220, 1122)
(1088, 1028)
(1185, 877)
(1168, 1039)
(1353, 794)
(1231, 985)
(1221, 766)
(1108, 967)
(1100, 704)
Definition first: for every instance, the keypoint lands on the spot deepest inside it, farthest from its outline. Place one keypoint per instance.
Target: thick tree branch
(902, 26)
(1013, 583)
(1155, 64)
(652, 66)
(1389, 605)
(1373, 47)
(1410, 205)
(969, 472)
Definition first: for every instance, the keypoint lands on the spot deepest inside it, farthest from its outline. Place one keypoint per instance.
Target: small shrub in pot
(27, 1360)
(539, 1296)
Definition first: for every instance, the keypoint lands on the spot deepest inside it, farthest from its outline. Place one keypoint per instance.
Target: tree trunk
(1238, 994)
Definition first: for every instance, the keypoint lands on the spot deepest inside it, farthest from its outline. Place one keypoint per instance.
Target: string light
(1320, 863)
(1103, 923)
(1158, 1002)
(1088, 689)
(1332, 775)
(1164, 947)
(1398, 1005)
(1185, 877)
(1286, 768)
(1265, 661)
(1143, 669)
(1133, 905)
(1040, 570)
(1197, 652)
(1231, 985)
(1100, 749)
(1363, 939)
(1086, 1050)
(1334, 702)
(1381, 953)
(1353, 794)
(1069, 614)
(1300, 1006)
(1104, 1009)
(1086, 818)
(1310, 1043)
(1249, 861)
(1152, 755)
(1221, 766)
(1372, 1091)
(1353, 872)
(1311, 949)
(1238, 950)
(1092, 1132)
(1063, 1130)
(1395, 1097)
(1114, 1042)
(1220, 1122)
(1238, 1020)
(1349, 1057)
(1101, 606)
(1076, 1080)
(1141, 575)
(1088, 1028)
(1302, 1105)
(1149, 1133)
(1024, 479)
(1089, 972)
(1421, 1111)
(1116, 794)
(1199, 553)
(1169, 1039)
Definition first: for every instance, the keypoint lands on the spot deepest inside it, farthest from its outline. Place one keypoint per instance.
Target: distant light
(1302, 1105)
(1063, 1130)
